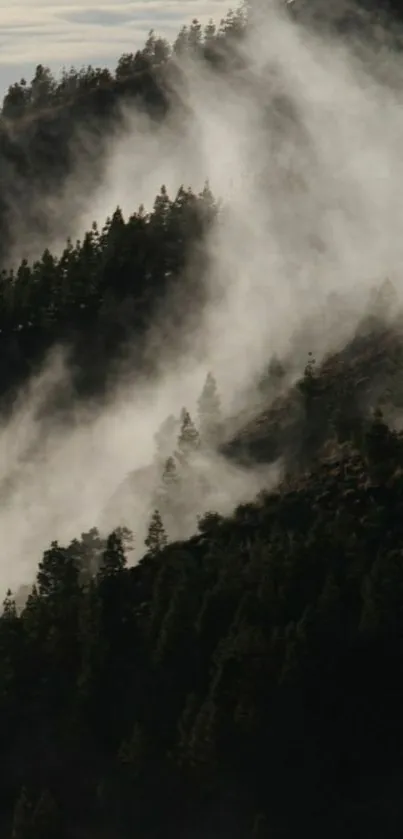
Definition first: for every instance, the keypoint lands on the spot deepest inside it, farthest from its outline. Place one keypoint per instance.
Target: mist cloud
(304, 148)
(303, 145)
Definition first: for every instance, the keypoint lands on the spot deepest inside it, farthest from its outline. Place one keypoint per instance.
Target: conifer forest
(220, 653)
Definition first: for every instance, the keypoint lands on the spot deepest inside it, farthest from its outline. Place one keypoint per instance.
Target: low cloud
(61, 33)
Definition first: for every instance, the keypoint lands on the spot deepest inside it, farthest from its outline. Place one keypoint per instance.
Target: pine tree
(310, 387)
(126, 537)
(88, 552)
(167, 494)
(11, 652)
(161, 208)
(58, 572)
(189, 438)
(113, 559)
(208, 523)
(32, 613)
(195, 36)
(156, 538)
(181, 44)
(308, 384)
(9, 606)
(209, 411)
(170, 477)
(209, 33)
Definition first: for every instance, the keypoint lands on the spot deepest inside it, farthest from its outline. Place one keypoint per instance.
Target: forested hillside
(224, 678)
(107, 284)
(247, 681)
(50, 125)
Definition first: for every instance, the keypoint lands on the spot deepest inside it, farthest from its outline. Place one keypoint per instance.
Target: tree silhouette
(156, 537)
(209, 412)
(256, 662)
(113, 559)
(189, 438)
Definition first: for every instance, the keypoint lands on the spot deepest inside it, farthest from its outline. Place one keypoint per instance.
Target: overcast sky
(65, 32)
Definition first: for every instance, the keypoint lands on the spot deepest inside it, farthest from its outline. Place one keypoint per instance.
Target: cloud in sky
(61, 32)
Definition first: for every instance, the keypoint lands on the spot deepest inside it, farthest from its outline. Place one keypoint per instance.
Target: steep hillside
(332, 402)
(190, 665)
(258, 663)
(55, 133)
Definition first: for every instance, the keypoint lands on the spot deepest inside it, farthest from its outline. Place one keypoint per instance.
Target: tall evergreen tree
(170, 477)
(58, 572)
(156, 537)
(9, 607)
(189, 438)
(209, 412)
(113, 559)
(168, 498)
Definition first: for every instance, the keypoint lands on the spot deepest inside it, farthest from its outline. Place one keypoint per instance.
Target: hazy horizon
(57, 33)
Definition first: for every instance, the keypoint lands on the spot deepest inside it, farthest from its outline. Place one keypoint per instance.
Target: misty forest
(201, 434)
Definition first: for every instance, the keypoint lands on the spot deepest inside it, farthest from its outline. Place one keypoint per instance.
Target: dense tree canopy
(221, 678)
(102, 292)
(246, 681)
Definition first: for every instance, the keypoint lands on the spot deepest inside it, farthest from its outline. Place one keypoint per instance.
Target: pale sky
(65, 32)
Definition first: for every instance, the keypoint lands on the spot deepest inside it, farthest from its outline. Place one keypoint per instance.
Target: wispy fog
(303, 144)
